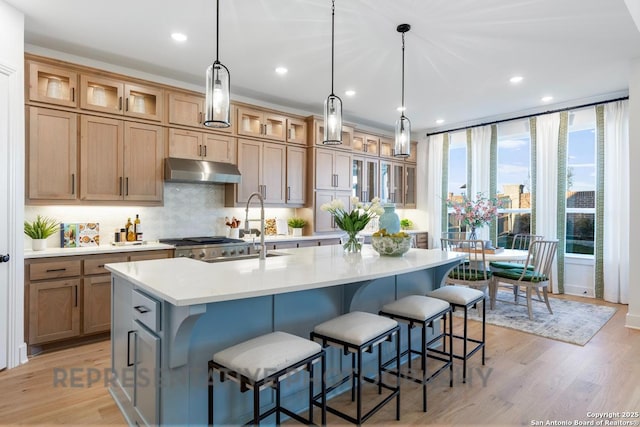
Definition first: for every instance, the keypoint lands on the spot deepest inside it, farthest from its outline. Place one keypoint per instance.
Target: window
(581, 182)
(514, 180)
(457, 184)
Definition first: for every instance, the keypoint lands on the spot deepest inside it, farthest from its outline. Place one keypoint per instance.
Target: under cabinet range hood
(200, 171)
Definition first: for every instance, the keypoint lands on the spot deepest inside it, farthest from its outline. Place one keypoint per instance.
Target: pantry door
(4, 218)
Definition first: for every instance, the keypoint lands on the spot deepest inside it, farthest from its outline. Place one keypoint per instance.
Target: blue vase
(389, 220)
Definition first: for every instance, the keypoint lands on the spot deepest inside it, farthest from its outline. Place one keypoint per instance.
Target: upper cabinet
(413, 152)
(386, 147)
(261, 124)
(188, 110)
(296, 131)
(52, 147)
(366, 144)
(317, 134)
(118, 97)
(52, 85)
(187, 144)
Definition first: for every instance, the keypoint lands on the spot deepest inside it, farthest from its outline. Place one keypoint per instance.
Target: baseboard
(579, 291)
(633, 321)
(22, 353)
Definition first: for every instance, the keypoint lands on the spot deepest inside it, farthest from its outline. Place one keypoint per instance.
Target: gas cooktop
(206, 240)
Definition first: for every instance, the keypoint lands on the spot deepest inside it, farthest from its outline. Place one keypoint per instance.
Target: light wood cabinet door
(143, 157)
(219, 148)
(296, 131)
(365, 177)
(413, 152)
(147, 255)
(54, 310)
(185, 144)
(186, 110)
(250, 166)
(324, 221)
(96, 316)
(296, 175)
(324, 174)
(101, 158)
(318, 135)
(117, 97)
(52, 154)
(52, 85)
(342, 170)
(386, 147)
(364, 143)
(274, 169)
(410, 186)
(261, 124)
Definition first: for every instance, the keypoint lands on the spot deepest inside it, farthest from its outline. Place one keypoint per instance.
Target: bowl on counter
(391, 245)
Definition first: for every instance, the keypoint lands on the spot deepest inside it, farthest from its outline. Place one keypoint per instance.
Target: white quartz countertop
(183, 281)
(91, 250)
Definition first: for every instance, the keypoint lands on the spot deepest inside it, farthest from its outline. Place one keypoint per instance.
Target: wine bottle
(131, 234)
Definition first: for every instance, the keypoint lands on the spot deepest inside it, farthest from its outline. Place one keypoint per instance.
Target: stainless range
(209, 249)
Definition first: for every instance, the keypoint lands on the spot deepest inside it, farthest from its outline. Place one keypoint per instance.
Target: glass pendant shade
(217, 103)
(332, 121)
(403, 137)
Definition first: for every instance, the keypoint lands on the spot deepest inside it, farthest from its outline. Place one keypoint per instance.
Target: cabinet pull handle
(126, 193)
(129, 363)
(205, 150)
(101, 266)
(73, 183)
(289, 133)
(75, 290)
(199, 150)
(200, 117)
(120, 185)
(53, 270)
(288, 193)
(73, 94)
(120, 103)
(126, 104)
(142, 309)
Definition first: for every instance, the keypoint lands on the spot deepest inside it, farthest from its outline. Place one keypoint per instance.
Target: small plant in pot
(40, 229)
(296, 225)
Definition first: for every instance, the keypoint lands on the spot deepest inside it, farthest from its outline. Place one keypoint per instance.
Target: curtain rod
(530, 115)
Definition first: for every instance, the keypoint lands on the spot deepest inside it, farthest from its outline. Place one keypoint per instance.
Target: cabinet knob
(5, 258)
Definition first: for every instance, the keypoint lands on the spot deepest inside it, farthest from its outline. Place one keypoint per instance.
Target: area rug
(571, 321)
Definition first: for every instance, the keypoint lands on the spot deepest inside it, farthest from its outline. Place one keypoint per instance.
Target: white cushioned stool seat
(265, 355)
(416, 307)
(356, 327)
(457, 294)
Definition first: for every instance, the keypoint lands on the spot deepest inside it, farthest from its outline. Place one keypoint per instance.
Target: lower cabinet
(323, 220)
(69, 298)
(135, 354)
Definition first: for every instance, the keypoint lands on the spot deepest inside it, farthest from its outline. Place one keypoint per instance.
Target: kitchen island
(170, 316)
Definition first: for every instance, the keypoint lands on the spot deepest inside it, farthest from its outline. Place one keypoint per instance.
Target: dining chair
(534, 274)
(521, 242)
(473, 272)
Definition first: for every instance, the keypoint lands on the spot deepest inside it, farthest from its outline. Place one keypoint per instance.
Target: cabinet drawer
(421, 237)
(147, 255)
(96, 265)
(146, 310)
(54, 269)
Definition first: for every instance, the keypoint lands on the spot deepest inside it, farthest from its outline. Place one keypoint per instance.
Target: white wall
(12, 192)
(633, 316)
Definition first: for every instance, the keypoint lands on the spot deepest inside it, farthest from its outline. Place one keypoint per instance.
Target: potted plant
(296, 224)
(39, 230)
(406, 224)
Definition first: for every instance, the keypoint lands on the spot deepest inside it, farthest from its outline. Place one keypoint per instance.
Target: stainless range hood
(200, 171)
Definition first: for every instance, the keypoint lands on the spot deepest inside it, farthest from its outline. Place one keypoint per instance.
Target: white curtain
(547, 131)
(432, 200)
(481, 168)
(616, 202)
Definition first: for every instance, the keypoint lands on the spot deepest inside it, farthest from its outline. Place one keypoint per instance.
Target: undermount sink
(238, 258)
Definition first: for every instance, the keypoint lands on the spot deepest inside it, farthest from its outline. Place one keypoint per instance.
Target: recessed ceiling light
(179, 37)
(350, 92)
(547, 98)
(401, 108)
(515, 79)
(281, 70)
(440, 121)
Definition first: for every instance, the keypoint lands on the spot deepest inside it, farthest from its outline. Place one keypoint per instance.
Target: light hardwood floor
(526, 379)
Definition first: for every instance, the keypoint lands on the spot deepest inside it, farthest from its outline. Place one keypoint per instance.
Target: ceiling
(460, 54)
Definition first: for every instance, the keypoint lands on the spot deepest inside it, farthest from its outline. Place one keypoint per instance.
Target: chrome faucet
(263, 247)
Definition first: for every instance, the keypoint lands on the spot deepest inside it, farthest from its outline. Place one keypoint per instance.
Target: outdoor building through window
(514, 180)
(581, 182)
(457, 183)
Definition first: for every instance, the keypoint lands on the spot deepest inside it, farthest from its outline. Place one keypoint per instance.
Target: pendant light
(217, 104)
(333, 104)
(403, 124)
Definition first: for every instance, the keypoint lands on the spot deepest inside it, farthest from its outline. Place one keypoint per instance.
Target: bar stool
(264, 362)
(355, 333)
(465, 298)
(422, 311)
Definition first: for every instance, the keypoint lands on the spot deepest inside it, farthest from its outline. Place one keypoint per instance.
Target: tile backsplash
(189, 210)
